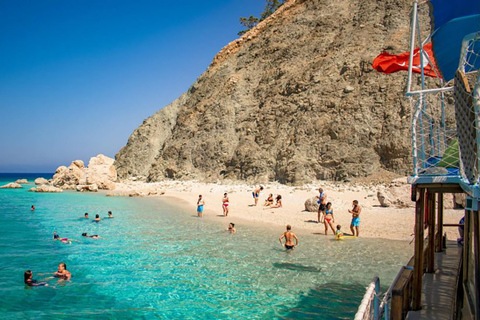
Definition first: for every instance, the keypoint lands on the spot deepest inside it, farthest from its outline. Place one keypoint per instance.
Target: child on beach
(339, 232)
(329, 219)
(200, 204)
(256, 194)
(355, 224)
(225, 204)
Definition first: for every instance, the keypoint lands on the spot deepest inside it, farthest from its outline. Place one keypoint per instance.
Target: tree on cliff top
(252, 21)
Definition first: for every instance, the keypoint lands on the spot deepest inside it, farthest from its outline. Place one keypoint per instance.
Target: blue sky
(77, 77)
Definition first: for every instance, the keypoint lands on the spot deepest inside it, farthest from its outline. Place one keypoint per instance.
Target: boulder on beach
(311, 204)
(11, 185)
(22, 181)
(72, 175)
(46, 189)
(87, 188)
(41, 181)
(383, 199)
(101, 172)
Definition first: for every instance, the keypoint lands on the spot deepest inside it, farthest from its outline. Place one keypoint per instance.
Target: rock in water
(41, 181)
(311, 204)
(22, 181)
(293, 100)
(11, 185)
(46, 188)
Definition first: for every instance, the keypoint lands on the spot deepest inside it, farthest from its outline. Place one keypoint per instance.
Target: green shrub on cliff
(252, 21)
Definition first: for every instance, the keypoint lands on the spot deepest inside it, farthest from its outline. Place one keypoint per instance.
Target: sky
(77, 77)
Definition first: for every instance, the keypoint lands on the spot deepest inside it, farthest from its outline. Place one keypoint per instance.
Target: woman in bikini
(269, 200)
(329, 219)
(225, 204)
(278, 203)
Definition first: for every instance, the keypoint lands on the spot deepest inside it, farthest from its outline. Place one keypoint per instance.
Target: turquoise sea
(159, 261)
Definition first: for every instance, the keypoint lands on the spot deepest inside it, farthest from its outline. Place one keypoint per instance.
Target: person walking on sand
(225, 204)
(200, 204)
(329, 218)
(322, 201)
(256, 194)
(355, 225)
(289, 237)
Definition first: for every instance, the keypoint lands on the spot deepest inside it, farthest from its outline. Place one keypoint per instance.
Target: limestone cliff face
(293, 100)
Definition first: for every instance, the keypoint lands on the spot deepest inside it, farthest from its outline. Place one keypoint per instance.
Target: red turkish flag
(389, 63)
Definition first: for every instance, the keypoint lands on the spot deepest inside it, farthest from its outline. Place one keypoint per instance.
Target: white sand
(376, 222)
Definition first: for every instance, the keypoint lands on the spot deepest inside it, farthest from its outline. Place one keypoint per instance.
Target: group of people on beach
(325, 215)
(62, 273)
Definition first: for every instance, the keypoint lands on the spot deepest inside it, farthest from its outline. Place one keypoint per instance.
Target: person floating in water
(256, 194)
(289, 239)
(225, 203)
(56, 236)
(231, 228)
(95, 236)
(200, 204)
(32, 208)
(322, 204)
(355, 224)
(97, 218)
(329, 218)
(62, 272)
(86, 215)
(269, 200)
(29, 281)
(110, 214)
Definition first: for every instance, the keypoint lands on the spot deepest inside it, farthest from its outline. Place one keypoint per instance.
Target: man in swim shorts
(289, 237)
(256, 194)
(200, 204)
(322, 204)
(355, 225)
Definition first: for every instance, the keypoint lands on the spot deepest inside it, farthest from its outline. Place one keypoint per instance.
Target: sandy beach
(392, 222)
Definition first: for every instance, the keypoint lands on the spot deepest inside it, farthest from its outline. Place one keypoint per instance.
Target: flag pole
(412, 44)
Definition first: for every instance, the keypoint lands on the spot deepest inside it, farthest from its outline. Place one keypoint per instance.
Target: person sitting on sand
(231, 228)
(93, 236)
(289, 237)
(256, 194)
(200, 204)
(86, 215)
(62, 272)
(110, 214)
(269, 200)
(29, 281)
(278, 203)
(32, 208)
(225, 204)
(97, 218)
(329, 218)
(355, 224)
(322, 201)
(63, 240)
(339, 232)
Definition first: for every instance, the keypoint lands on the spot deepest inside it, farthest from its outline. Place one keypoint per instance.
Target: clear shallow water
(158, 261)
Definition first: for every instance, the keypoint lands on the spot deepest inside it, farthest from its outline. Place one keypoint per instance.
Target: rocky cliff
(293, 100)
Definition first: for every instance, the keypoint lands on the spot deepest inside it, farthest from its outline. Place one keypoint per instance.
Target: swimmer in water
(86, 215)
(289, 237)
(62, 272)
(56, 236)
(231, 228)
(97, 218)
(32, 208)
(95, 236)
(110, 214)
(29, 281)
